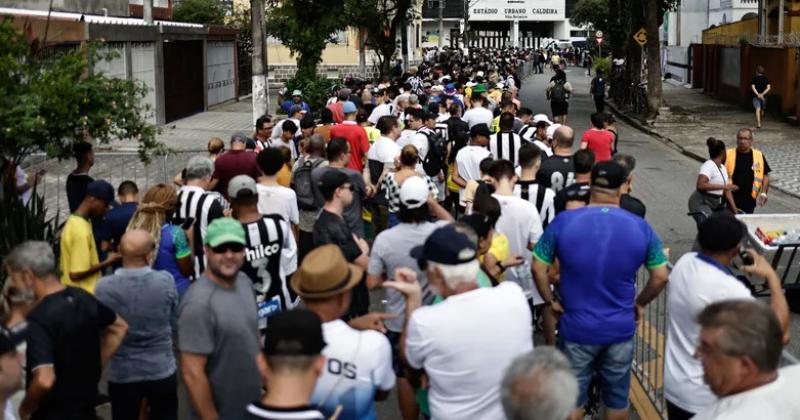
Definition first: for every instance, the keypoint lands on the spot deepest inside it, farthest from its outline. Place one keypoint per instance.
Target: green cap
(224, 230)
(479, 88)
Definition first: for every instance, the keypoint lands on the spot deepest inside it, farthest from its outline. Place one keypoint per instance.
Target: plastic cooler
(785, 258)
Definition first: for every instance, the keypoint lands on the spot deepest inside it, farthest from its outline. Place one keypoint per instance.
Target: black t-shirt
(557, 172)
(332, 229)
(76, 189)
(760, 82)
(743, 174)
(633, 205)
(64, 331)
(578, 191)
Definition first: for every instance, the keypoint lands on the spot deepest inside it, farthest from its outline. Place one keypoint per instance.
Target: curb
(671, 143)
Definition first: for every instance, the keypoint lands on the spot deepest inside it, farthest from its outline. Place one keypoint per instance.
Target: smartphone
(187, 223)
(746, 258)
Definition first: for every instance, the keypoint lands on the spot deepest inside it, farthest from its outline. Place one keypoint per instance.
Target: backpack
(303, 186)
(437, 150)
(558, 93)
(599, 86)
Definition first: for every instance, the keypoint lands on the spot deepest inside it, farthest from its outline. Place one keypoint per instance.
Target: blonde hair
(151, 213)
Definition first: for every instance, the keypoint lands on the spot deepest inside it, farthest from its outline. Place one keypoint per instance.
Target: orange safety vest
(758, 169)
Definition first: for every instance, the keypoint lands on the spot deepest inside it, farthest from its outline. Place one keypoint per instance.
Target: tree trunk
(259, 60)
(653, 58)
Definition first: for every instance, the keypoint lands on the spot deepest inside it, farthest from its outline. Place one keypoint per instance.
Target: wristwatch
(500, 265)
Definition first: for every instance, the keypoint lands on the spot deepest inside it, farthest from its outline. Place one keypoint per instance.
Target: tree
(305, 27)
(50, 101)
(594, 13)
(199, 11)
(381, 19)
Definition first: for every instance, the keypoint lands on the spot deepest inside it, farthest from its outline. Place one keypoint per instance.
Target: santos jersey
(557, 172)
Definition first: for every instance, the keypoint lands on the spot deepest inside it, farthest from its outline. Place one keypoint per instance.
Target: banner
(537, 10)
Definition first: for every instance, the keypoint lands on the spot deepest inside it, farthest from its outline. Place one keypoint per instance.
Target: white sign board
(536, 10)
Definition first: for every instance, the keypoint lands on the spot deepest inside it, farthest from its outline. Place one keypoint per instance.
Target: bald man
(558, 171)
(144, 365)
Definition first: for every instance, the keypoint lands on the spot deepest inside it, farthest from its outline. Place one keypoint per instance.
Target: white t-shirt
(775, 400)
(468, 160)
(419, 140)
(520, 222)
(694, 283)
(381, 110)
(478, 115)
(357, 364)
(384, 150)
(277, 199)
(465, 344)
(717, 175)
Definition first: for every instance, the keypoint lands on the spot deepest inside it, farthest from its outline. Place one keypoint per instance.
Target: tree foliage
(594, 13)
(305, 27)
(199, 11)
(48, 100)
(381, 19)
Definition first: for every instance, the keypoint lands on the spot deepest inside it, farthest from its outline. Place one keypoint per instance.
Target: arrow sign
(599, 41)
(640, 37)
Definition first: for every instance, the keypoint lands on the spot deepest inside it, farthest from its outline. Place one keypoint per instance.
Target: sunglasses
(230, 246)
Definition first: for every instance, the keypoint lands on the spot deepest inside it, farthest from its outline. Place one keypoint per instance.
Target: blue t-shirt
(117, 219)
(600, 249)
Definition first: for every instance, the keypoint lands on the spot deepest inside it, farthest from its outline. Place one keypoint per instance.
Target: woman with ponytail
(713, 190)
(173, 253)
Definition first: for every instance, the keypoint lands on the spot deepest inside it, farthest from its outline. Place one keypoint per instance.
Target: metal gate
(489, 39)
(220, 75)
(183, 79)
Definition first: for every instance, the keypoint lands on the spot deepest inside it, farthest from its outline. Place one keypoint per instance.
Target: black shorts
(559, 108)
(397, 360)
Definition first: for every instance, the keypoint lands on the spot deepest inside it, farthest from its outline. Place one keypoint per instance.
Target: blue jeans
(611, 362)
(758, 103)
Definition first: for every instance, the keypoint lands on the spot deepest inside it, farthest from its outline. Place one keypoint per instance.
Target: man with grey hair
(465, 342)
(70, 337)
(539, 385)
(740, 347)
(197, 207)
(234, 162)
(627, 201)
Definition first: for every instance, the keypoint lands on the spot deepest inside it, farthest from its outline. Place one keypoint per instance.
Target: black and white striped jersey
(270, 255)
(527, 132)
(505, 145)
(542, 197)
(202, 206)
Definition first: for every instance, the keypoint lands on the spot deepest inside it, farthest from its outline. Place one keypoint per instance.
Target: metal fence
(113, 167)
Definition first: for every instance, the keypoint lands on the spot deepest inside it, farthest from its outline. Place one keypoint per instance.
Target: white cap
(541, 117)
(480, 73)
(446, 77)
(414, 192)
(471, 84)
(499, 85)
(439, 88)
(552, 129)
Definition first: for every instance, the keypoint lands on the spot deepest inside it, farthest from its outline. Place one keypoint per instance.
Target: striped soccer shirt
(541, 197)
(505, 145)
(202, 206)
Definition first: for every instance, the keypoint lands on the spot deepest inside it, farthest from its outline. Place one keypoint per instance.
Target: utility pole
(362, 53)
(259, 60)
(147, 11)
(441, 24)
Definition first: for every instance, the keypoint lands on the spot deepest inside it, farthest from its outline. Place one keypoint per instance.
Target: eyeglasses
(230, 246)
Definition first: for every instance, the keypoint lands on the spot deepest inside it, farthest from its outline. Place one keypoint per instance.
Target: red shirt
(356, 136)
(600, 142)
(337, 108)
(232, 163)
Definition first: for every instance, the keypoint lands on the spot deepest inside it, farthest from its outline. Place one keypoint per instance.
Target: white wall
(143, 67)
(220, 72)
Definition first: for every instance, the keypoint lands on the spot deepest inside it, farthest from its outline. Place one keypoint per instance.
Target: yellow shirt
(373, 134)
(284, 176)
(78, 252)
(500, 250)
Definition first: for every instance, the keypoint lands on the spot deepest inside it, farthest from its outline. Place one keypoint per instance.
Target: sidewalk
(698, 116)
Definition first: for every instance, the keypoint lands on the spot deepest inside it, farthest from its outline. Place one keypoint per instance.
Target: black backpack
(558, 93)
(303, 186)
(437, 150)
(599, 86)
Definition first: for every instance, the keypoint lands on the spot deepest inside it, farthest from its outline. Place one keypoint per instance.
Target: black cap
(294, 333)
(9, 341)
(608, 174)
(331, 180)
(445, 245)
(480, 130)
(100, 190)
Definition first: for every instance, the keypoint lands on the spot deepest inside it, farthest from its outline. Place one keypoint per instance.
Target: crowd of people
(249, 280)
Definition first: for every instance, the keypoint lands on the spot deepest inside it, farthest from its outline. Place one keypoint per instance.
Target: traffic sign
(599, 40)
(598, 34)
(640, 37)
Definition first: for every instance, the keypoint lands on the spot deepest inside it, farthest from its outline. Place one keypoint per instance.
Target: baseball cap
(414, 192)
(297, 92)
(294, 333)
(479, 88)
(499, 86)
(479, 73)
(445, 245)
(349, 107)
(438, 88)
(100, 190)
(541, 118)
(331, 180)
(608, 174)
(242, 186)
(224, 230)
(552, 130)
(471, 84)
(295, 109)
(480, 130)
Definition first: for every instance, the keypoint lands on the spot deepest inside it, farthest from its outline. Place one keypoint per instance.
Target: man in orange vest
(748, 169)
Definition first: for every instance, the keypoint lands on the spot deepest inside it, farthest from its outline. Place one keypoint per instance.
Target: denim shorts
(758, 103)
(611, 363)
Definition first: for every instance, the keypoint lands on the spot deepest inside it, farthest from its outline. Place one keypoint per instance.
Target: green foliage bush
(602, 63)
